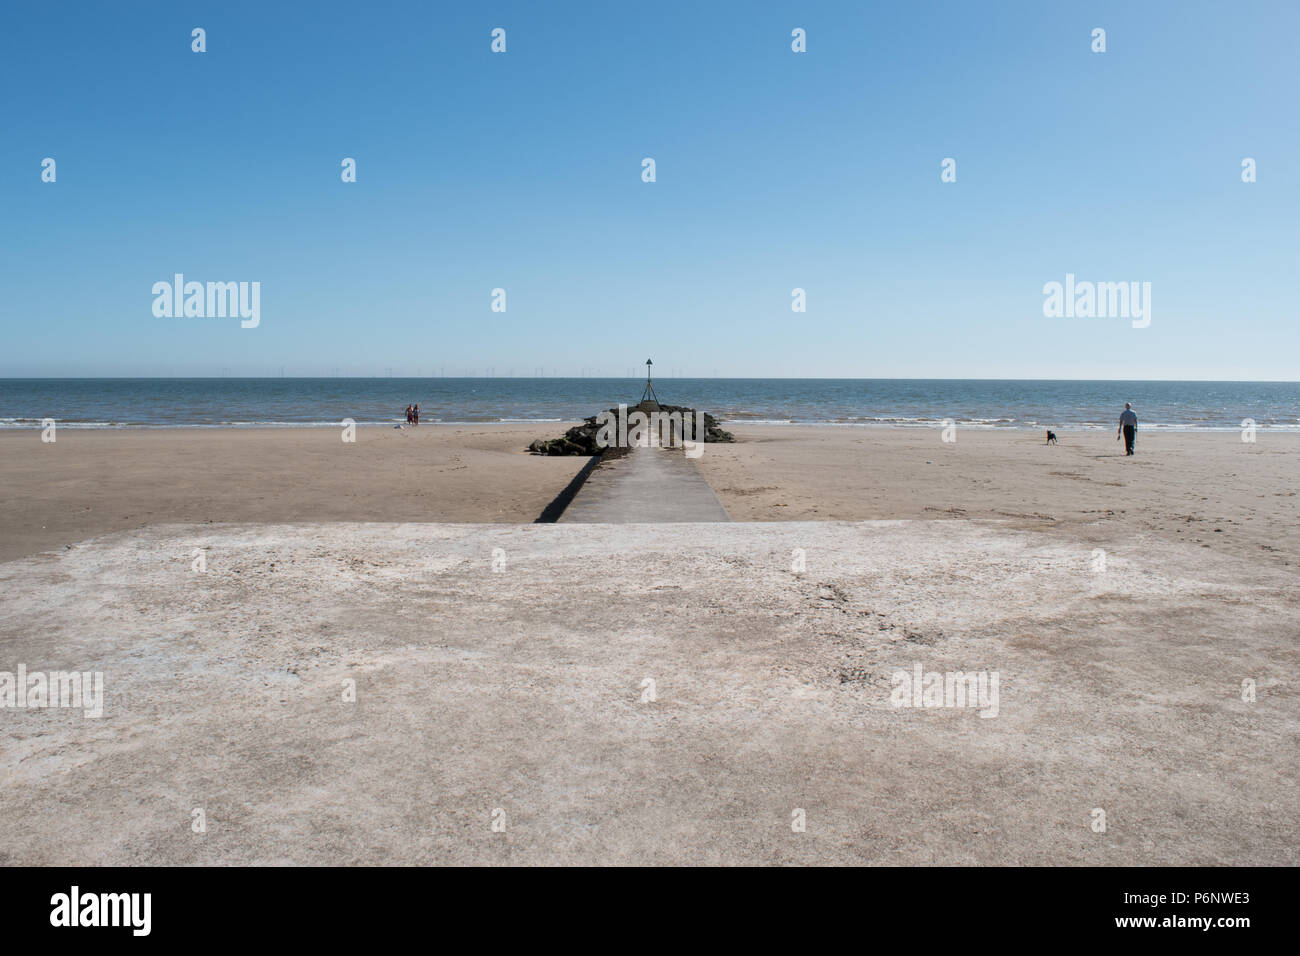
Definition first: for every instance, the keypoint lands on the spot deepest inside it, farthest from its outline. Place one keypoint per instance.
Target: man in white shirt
(1128, 424)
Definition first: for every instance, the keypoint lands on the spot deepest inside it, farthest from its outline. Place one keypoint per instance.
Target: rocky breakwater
(586, 439)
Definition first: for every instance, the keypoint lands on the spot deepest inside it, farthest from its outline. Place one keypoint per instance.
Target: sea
(863, 403)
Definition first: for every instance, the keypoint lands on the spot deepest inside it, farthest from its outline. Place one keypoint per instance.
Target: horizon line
(594, 378)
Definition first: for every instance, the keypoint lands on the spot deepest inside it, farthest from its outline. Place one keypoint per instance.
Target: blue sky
(775, 170)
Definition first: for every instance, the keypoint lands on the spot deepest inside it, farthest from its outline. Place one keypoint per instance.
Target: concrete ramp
(646, 486)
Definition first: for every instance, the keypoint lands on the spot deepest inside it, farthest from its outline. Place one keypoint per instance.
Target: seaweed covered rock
(582, 439)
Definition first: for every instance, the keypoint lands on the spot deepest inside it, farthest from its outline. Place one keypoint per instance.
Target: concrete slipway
(646, 485)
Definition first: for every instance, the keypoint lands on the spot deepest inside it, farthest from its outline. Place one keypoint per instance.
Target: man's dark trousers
(1130, 433)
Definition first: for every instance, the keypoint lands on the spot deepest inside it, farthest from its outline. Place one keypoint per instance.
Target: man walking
(1128, 424)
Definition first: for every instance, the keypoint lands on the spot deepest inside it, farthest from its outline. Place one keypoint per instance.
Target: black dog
(1051, 437)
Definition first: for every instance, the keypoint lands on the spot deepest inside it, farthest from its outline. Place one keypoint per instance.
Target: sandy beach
(341, 693)
(91, 482)
(1208, 489)
(498, 666)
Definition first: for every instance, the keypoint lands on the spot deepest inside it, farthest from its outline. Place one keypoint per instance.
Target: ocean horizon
(271, 402)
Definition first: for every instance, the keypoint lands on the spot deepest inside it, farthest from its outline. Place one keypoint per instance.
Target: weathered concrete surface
(646, 485)
(521, 689)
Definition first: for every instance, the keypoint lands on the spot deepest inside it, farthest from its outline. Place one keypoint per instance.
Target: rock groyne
(583, 439)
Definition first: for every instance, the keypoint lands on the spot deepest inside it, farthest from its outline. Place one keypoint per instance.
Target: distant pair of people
(412, 414)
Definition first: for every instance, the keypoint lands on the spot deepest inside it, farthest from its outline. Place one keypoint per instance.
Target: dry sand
(92, 482)
(1180, 485)
(1208, 489)
(520, 689)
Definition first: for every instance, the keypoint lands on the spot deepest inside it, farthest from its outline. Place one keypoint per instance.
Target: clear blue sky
(775, 170)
